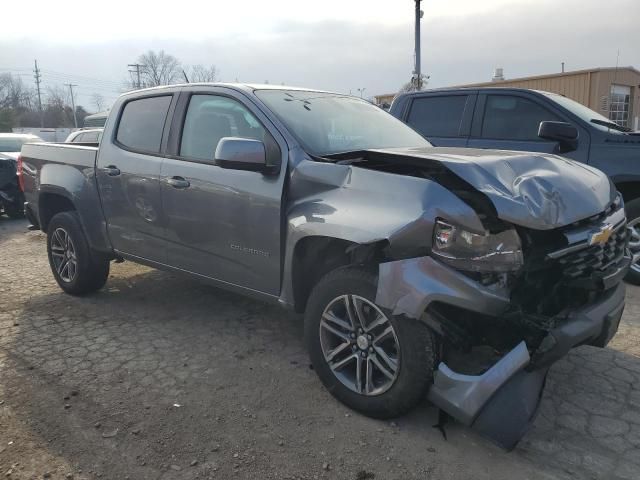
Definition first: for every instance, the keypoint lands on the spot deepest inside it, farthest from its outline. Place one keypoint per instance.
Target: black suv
(532, 121)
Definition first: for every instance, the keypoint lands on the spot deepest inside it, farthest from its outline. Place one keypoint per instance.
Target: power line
(73, 103)
(37, 76)
(74, 76)
(137, 67)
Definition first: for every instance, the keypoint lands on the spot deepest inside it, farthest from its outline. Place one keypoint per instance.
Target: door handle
(111, 170)
(178, 182)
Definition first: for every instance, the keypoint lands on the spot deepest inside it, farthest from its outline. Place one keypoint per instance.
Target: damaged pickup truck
(454, 273)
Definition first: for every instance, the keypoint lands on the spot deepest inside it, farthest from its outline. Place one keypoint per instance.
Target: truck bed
(81, 155)
(60, 169)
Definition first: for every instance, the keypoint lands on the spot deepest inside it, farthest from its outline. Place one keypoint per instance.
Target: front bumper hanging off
(500, 403)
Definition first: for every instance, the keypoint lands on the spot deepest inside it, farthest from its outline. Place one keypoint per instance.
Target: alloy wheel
(63, 253)
(360, 345)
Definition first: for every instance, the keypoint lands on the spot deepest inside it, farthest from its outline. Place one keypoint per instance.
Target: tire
(15, 210)
(412, 342)
(87, 270)
(633, 220)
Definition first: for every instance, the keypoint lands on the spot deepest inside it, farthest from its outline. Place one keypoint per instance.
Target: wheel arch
(334, 252)
(50, 203)
(630, 190)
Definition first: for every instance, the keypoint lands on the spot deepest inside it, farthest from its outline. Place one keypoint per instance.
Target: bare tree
(158, 68)
(200, 73)
(57, 97)
(13, 93)
(98, 101)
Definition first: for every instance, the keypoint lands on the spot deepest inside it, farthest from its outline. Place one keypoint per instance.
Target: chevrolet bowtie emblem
(601, 237)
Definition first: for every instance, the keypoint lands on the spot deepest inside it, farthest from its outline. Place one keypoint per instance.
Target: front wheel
(373, 362)
(77, 269)
(633, 222)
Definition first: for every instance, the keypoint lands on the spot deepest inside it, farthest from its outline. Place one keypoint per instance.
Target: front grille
(596, 258)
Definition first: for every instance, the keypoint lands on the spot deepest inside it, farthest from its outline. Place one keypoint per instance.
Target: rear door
(128, 175)
(442, 118)
(510, 121)
(221, 223)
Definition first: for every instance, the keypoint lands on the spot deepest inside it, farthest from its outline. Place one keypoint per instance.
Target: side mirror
(564, 133)
(241, 154)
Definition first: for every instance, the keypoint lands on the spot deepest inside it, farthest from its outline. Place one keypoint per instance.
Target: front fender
(364, 206)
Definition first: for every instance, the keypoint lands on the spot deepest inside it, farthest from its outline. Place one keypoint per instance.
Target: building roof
(550, 75)
(533, 77)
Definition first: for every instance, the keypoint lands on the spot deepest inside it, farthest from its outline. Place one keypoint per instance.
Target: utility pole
(37, 76)
(418, 71)
(73, 103)
(137, 67)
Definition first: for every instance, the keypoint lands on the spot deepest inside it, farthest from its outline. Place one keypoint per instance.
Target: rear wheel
(373, 362)
(76, 268)
(633, 222)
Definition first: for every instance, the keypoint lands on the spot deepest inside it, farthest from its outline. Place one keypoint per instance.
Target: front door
(221, 223)
(128, 177)
(511, 122)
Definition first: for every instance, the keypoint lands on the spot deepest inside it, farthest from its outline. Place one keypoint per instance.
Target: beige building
(612, 92)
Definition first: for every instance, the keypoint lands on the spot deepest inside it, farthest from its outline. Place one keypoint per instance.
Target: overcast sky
(339, 45)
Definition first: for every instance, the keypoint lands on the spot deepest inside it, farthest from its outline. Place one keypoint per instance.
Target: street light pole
(418, 71)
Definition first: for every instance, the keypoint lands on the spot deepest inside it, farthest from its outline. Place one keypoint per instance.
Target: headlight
(497, 252)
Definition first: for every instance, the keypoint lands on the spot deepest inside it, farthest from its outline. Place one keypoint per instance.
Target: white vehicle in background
(11, 143)
(93, 135)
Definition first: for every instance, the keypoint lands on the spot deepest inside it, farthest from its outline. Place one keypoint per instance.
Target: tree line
(19, 105)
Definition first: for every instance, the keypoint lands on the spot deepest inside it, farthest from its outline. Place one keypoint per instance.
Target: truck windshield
(585, 113)
(327, 123)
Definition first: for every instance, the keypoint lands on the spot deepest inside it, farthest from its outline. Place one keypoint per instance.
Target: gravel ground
(160, 377)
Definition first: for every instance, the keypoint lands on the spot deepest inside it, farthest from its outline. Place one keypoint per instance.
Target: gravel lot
(159, 377)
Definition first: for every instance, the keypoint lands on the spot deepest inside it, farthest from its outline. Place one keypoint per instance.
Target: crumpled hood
(535, 190)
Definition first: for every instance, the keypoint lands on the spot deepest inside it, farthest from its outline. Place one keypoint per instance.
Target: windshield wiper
(612, 125)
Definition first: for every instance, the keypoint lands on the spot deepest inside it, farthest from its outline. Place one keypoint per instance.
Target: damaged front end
(508, 313)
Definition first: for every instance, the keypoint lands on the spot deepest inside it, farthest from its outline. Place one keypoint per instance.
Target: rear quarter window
(438, 116)
(142, 122)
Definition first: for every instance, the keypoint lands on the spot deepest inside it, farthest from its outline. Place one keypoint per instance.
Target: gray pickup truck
(455, 273)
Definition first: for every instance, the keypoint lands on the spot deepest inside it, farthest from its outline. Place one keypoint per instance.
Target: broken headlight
(491, 252)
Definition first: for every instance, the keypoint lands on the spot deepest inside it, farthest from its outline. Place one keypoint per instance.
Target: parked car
(11, 198)
(92, 135)
(11, 143)
(533, 121)
(461, 273)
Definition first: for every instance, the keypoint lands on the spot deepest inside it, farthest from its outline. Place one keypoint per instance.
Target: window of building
(210, 118)
(619, 105)
(438, 116)
(509, 117)
(142, 123)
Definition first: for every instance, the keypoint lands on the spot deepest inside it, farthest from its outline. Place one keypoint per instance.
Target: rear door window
(508, 117)
(142, 123)
(438, 116)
